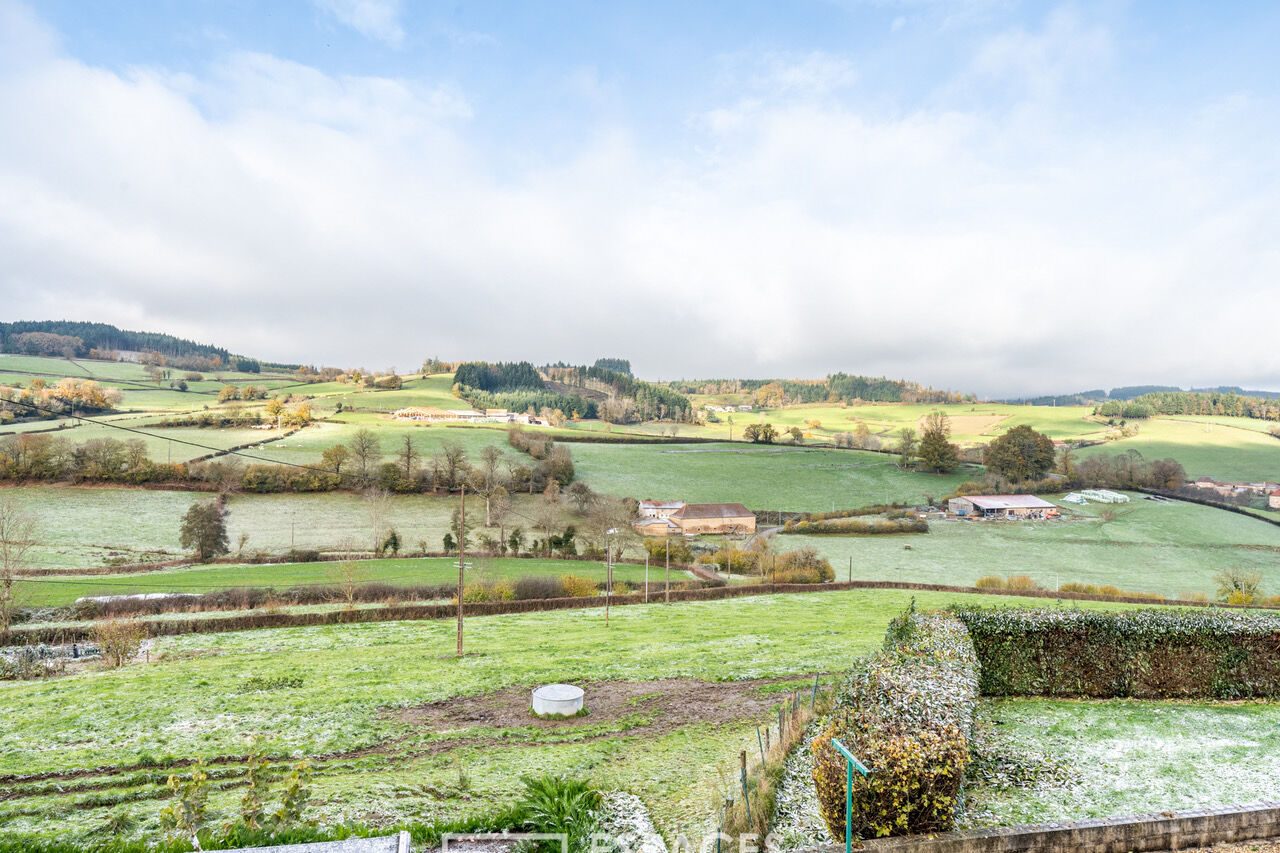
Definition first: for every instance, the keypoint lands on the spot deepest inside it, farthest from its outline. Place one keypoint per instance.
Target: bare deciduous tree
(17, 537)
(377, 504)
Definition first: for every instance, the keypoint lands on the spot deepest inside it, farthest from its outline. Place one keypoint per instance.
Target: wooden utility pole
(462, 547)
(668, 570)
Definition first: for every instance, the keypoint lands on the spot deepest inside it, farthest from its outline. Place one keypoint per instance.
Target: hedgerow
(1149, 654)
(854, 526)
(907, 713)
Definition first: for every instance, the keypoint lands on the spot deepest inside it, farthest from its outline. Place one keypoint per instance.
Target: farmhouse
(674, 518)
(1001, 506)
(1274, 500)
(658, 509)
(654, 526)
(694, 519)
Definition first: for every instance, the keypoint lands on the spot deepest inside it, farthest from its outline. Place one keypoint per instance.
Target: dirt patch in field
(669, 704)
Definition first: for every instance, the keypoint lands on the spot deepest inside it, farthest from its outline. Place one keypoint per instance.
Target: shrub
(992, 582)
(1149, 654)
(907, 713)
(681, 551)
(477, 592)
(557, 804)
(1022, 583)
(1244, 585)
(119, 641)
(576, 586)
(504, 591)
(621, 588)
(805, 565)
(539, 588)
(858, 527)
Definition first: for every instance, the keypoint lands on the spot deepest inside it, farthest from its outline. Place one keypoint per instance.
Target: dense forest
(1194, 403)
(28, 337)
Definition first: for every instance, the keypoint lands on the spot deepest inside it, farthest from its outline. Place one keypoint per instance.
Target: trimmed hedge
(857, 527)
(1146, 654)
(907, 713)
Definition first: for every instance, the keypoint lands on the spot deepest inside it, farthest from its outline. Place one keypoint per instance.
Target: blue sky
(992, 196)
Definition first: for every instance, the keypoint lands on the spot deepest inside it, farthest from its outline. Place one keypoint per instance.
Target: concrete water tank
(564, 699)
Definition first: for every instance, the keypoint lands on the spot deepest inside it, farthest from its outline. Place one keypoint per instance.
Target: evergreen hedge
(907, 713)
(1147, 654)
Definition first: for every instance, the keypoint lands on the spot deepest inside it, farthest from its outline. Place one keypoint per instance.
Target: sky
(988, 196)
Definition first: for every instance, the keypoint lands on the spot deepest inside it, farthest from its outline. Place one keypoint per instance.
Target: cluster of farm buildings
(1270, 491)
(677, 518)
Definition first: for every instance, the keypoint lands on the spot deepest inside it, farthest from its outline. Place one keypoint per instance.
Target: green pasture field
(1127, 757)
(1253, 424)
(971, 423)
(1221, 451)
(307, 446)
(1165, 548)
(84, 527)
(433, 390)
(62, 590)
(760, 476)
(374, 762)
(109, 372)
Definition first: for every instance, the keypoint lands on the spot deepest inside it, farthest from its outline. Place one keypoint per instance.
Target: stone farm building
(1001, 506)
(671, 518)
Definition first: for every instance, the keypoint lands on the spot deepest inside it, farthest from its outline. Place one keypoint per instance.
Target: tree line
(42, 400)
(835, 388)
(1228, 403)
(24, 337)
(357, 464)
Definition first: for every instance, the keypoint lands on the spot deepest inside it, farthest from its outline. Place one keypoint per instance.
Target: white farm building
(1001, 506)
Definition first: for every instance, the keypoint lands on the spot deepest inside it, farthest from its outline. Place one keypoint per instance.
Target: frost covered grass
(62, 590)
(1149, 547)
(188, 701)
(1124, 757)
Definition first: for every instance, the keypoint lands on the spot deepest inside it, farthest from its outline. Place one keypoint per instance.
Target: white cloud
(298, 215)
(375, 19)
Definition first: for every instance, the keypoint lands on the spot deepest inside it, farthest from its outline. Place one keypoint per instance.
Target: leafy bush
(119, 641)
(1022, 583)
(681, 551)
(804, 565)
(557, 804)
(992, 582)
(576, 586)
(857, 527)
(528, 588)
(1155, 654)
(907, 713)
